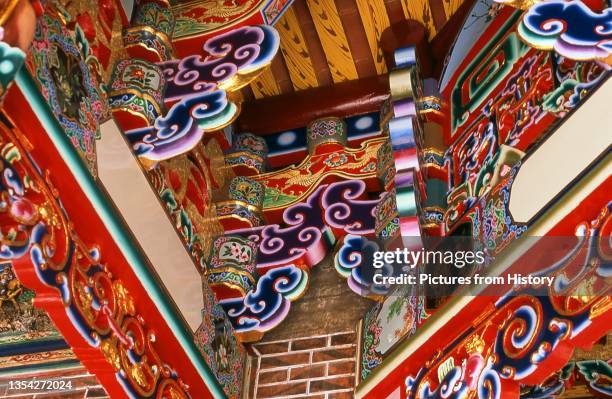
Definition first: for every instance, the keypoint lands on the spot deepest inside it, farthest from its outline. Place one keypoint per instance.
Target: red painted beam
(83, 226)
(289, 111)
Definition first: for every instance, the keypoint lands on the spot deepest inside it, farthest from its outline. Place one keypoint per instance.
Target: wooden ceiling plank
(420, 11)
(265, 85)
(451, 7)
(295, 52)
(357, 37)
(281, 74)
(375, 20)
(333, 38)
(438, 13)
(317, 54)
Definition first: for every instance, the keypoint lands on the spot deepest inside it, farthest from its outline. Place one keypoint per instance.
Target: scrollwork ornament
(570, 28)
(35, 226)
(528, 331)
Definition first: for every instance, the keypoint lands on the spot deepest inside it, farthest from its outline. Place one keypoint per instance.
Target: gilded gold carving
(220, 172)
(124, 299)
(302, 175)
(85, 301)
(12, 286)
(110, 352)
(475, 345)
(68, 10)
(98, 305)
(601, 306)
(138, 375)
(217, 8)
(206, 224)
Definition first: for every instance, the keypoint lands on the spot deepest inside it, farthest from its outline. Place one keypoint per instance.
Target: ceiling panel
(375, 20)
(265, 85)
(325, 42)
(333, 38)
(295, 52)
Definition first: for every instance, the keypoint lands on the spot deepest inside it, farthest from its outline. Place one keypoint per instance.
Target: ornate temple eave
(464, 313)
(582, 197)
(94, 223)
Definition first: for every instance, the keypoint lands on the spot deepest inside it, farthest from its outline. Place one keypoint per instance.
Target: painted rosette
(325, 131)
(137, 91)
(249, 155)
(244, 207)
(232, 267)
(252, 143)
(247, 190)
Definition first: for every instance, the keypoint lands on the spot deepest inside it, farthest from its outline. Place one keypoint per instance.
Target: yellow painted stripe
(265, 84)
(333, 39)
(295, 52)
(451, 6)
(375, 20)
(420, 11)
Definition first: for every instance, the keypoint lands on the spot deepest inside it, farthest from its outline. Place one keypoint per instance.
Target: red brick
(343, 339)
(333, 354)
(281, 390)
(307, 372)
(271, 348)
(309, 397)
(342, 367)
(291, 359)
(341, 395)
(309, 343)
(267, 377)
(332, 384)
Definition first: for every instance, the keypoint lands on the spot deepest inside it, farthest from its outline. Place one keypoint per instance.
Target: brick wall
(317, 367)
(84, 385)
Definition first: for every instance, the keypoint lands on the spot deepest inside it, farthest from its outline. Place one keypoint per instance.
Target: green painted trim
(115, 226)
